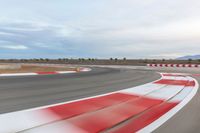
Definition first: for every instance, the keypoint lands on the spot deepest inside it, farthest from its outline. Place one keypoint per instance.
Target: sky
(99, 28)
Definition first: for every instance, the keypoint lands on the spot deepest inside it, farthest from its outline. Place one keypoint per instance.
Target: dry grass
(31, 68)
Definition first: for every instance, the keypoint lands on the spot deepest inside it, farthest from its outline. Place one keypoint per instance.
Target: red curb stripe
(109, 117)
(145, 119)
(175, 82)
(45, 73)
(76, 108)
(195, 74)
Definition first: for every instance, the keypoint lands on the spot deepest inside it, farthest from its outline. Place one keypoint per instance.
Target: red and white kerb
(174, 65)
(137, 109)
(45, 73)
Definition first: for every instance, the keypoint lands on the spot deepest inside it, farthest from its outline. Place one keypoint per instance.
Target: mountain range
(194, 57)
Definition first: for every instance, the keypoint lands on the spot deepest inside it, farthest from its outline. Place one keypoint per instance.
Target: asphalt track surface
(19, 93)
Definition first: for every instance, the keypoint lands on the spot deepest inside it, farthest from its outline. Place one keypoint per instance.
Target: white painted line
(18, 74)
(65, 72)
(175, 78)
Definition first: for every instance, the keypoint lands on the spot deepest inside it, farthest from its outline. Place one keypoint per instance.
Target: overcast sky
(99, 28)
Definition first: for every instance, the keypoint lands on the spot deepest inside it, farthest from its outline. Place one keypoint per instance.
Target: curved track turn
(18, 93)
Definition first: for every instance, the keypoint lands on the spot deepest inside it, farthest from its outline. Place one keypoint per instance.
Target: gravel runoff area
(36, 68)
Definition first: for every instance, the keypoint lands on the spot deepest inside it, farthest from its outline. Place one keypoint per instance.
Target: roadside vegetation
(95, 61)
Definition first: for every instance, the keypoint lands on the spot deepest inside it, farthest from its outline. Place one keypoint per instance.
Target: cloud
(102, 29)
(14, 47)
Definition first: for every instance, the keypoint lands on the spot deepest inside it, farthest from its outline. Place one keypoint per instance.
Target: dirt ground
(31, 68)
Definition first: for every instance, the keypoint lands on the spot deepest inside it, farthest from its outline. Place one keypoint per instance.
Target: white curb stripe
(18, 74)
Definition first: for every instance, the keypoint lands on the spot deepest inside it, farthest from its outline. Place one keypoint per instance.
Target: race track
(19, 93)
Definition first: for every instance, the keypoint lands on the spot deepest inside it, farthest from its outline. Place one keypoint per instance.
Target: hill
(194, 57)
